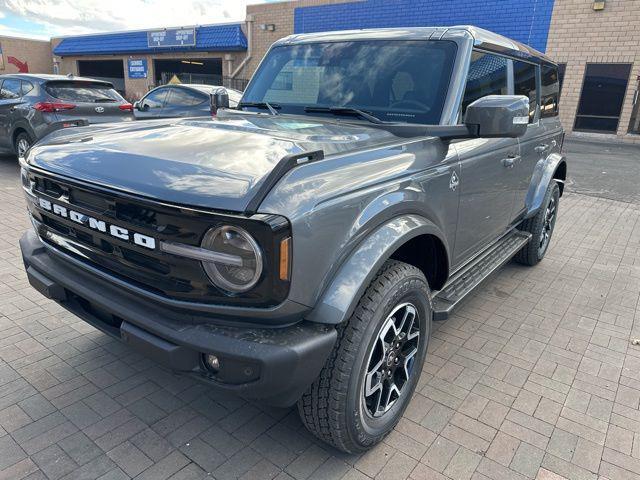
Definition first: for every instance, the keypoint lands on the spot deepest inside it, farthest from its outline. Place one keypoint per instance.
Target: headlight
(240, 260)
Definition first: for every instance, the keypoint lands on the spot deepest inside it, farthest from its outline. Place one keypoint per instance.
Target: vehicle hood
(212, 163)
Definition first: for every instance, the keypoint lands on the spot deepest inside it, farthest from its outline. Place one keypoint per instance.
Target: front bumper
(275, 365)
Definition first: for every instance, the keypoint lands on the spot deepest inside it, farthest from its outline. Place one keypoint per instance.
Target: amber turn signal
(285, 258)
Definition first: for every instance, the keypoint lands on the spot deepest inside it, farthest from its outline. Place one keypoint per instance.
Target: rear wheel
(22, 144)
(541, 228)
(369, 379)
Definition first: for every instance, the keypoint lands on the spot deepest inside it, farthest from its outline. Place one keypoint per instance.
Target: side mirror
(136, 105)
(498, 116)
(219, 99)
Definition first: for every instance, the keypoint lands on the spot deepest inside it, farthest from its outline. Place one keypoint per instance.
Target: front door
(487, 165)
(152, 105)
(486, 199)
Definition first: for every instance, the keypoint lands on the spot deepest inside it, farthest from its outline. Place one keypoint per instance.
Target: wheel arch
(554, 167)
(17, 130)
(402, 238)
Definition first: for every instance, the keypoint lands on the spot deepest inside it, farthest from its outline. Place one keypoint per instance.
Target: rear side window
(182, 97)
(550, 91)
(26, 87)
(83, 92)
(11, 89)
(487, 76)
(525, 84)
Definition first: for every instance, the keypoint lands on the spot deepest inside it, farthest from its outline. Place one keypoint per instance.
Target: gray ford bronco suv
(298, 249)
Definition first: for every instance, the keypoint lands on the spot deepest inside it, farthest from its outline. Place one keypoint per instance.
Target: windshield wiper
(272, 107)
(346, 111)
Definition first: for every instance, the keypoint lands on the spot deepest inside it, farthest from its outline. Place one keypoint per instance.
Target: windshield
(402, 81)
(79, 91)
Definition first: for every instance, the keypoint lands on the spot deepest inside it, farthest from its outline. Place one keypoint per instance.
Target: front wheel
(372, 372)
(541, 227)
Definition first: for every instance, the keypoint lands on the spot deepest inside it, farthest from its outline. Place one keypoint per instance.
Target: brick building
(24, 55)
(596, 42)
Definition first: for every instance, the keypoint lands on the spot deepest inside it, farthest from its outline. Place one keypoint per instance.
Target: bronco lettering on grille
(99, 225)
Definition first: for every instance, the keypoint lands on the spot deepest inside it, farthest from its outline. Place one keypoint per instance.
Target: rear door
(533, 146)
(186, 102)
(152, 104)
(10, 100)
(486, 195)
(97, 102)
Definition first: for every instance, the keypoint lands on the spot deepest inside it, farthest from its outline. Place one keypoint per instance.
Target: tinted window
(487, 76)
(602, 96)
(393, 80)
(549, 91)
(26, 87)
(562, 67)
(156, 98)
(11, 89)
(83, 92)
(182, 97)
(525, 84)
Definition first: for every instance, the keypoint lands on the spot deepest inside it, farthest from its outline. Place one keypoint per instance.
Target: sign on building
(137, 68)
(172, 37)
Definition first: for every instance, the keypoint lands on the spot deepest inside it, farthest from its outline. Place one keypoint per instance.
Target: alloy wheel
(547, 225)
(23, 147)
(391, 361)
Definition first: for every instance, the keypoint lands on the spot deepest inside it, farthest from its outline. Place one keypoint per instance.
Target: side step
(476, 272)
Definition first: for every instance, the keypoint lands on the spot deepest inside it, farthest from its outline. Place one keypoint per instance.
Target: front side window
(524, 83)
(392, 80)
(181, 97)
(11, 89)
(487, 76)
(155, 99)
(550, 91)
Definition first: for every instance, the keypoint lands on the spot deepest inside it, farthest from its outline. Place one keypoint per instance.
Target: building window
(602, 97)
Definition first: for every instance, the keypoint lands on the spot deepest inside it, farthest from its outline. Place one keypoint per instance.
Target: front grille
(150, 269)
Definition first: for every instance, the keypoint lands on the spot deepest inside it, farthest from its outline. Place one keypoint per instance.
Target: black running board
(472, 275)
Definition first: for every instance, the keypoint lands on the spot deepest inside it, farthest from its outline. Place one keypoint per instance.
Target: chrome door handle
(542, 148)
(509, 162)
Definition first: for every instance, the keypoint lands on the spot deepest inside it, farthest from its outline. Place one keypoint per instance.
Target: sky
(44, 19)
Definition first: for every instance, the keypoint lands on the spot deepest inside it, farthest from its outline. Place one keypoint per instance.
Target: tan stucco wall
(36, 53)
(579, 35)
(280, 15)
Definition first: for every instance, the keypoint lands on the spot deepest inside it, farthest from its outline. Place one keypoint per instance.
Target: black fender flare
(544, 172)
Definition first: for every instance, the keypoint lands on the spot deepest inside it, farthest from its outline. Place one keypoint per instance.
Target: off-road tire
(21, 137)
(531, 254)
(331, 408)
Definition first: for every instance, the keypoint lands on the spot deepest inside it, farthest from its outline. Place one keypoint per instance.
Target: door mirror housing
(136, 105)
(498, 116)
(219, 99)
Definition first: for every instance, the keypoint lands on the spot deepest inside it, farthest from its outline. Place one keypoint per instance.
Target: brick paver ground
(535, 377)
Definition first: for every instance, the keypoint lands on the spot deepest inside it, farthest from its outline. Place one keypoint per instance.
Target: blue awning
(227, 37)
